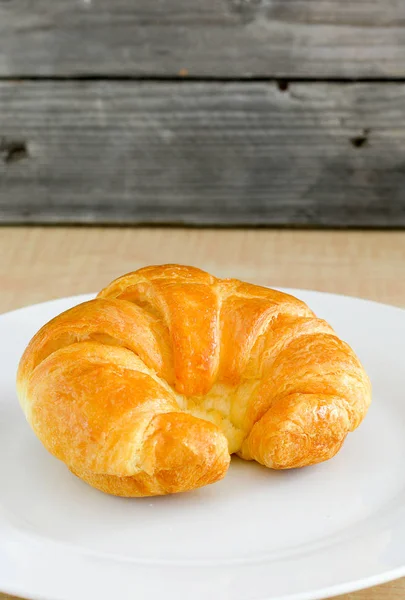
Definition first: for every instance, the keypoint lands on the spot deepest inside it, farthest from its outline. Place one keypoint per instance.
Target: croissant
(149, 388)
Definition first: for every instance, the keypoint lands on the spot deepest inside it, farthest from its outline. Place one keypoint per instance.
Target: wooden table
(38, 264)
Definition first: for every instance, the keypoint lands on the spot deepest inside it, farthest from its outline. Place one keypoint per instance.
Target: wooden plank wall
(222, 112)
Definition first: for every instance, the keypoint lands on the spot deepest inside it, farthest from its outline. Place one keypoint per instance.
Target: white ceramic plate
(256, 535)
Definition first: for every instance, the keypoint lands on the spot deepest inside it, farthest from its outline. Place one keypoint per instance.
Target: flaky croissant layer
(150, 387)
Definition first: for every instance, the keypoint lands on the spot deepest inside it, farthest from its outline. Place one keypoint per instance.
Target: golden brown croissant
(149, 388)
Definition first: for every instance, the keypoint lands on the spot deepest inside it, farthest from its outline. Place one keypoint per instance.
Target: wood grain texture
(394, 590)
(220, 38)
(109, 152)
(54, 262)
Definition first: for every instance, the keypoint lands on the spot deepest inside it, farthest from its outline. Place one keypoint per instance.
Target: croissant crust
(149, 388)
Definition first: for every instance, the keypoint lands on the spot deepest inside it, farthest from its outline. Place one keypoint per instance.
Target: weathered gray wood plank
(318, 154)
(222, 38)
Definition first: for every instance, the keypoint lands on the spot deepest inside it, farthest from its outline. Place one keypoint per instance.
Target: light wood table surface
(37, 264)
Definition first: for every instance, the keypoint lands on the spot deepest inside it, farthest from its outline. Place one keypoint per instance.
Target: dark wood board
(218, 153)
(203, 38)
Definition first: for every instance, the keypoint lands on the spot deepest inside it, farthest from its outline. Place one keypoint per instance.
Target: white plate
(256, 535)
